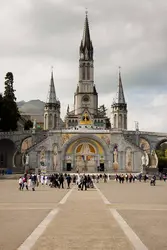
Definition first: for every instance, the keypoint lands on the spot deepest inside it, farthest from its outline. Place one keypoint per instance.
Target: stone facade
(86, 151)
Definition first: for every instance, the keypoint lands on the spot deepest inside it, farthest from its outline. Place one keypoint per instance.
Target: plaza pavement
(22, 211)
(83, 220)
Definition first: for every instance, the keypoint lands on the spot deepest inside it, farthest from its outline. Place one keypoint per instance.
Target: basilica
(86, 141)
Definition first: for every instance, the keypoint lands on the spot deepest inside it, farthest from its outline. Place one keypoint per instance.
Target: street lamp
(137, 132)
(136, 125)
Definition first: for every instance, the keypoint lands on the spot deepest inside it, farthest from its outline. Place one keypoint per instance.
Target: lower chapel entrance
(85, 157)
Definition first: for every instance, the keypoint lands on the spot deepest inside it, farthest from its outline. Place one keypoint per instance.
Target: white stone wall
(116, 138)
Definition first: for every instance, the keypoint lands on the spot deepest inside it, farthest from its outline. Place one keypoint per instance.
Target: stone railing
(145, 133)
(16, 132)
(89, 131)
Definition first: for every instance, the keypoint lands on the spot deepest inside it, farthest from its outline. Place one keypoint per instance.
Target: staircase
(40, 138)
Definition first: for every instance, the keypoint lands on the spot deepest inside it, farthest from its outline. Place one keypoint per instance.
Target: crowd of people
(121, 178)
(83, 181)
(57, 180)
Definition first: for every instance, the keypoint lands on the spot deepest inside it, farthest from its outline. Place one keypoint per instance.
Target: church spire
(119, 108)
(86, 47)
(52, 93)
(120, 99)
(52, 108)
(68, 109)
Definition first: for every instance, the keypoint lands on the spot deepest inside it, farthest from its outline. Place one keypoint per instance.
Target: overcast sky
(132, 34)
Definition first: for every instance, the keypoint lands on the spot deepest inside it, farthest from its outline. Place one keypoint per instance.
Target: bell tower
(86, 95)
(119, 108)
(52, 108)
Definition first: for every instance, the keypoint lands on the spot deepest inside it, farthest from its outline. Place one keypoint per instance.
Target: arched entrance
(144, 145)
(7, 150)
(84, 155)
(26, 144)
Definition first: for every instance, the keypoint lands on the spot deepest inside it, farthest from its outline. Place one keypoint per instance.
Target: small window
(85, 98)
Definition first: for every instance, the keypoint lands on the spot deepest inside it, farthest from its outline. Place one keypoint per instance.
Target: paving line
(130, 234)
(25, 208)
(105, 200)
(140, 209)
(34, 236)
(63, 201)
(134, 239)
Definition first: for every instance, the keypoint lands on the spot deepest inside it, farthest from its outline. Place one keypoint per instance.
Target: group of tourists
(121, 178)
(28, 182)
(83, 181)
(57, 180)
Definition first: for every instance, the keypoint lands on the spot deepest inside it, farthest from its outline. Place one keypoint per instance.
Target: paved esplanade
(114, 216)
(84, 222)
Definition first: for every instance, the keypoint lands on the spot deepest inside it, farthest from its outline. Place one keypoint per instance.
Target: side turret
(52, 108)
(119, 108)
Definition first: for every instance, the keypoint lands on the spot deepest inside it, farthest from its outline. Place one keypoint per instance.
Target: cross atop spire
(120, 93)
(52, 93)
(86, 11)
(86, 34)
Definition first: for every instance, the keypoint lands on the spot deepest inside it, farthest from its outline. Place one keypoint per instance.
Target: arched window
(88, 72)
(50, 121)
(76, 122)
(45, 122)
(83, 71)
(120, 121)
(115, 121)
(125, 122)
(55, 121)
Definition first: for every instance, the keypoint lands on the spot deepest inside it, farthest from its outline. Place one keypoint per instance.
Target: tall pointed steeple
(119, 108)
(86, 42)
(86, 47)
(52, 93)
(120, 93)
(86, 89)
(52, 108)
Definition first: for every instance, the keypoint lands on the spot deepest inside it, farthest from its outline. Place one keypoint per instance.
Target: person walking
(68, 178)
(84, 182)
(20, 183)
(61, 180)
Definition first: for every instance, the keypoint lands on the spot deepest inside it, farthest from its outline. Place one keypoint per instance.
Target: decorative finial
(86, 11)
(68, 109)
(51, 72)
(119, 69)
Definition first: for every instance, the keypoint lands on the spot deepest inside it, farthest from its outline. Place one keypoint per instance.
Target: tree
(9, 113)
(28, 124)
(102, 110)
(162, 156)
(108, 123)
(1, 104)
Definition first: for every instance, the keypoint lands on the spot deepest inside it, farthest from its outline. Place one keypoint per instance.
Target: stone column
(121, 161)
